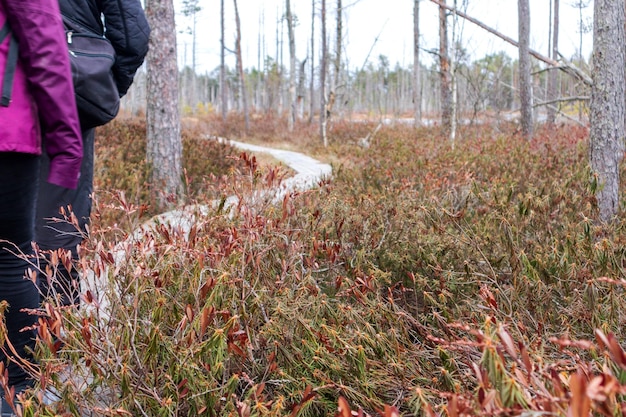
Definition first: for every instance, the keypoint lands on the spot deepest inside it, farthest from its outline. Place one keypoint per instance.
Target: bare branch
(566, 66)
(562, 100)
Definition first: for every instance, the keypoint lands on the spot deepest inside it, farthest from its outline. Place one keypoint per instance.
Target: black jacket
(123, 22)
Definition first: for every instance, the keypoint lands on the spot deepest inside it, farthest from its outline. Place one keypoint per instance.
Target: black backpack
(92, 58)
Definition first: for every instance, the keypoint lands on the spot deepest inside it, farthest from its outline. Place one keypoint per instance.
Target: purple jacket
(42, 90)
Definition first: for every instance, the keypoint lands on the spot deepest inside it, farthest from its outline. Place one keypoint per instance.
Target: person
(35, 100)
(124, 23)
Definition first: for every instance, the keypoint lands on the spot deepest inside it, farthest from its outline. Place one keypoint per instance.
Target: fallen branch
(562, 100)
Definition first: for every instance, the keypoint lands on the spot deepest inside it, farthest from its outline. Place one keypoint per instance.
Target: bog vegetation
(421, 280)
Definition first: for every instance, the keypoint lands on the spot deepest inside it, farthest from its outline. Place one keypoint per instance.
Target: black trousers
(19, 176)
(53, 231)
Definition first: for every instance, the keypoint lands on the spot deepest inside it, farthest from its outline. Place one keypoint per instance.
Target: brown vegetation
(420, 280)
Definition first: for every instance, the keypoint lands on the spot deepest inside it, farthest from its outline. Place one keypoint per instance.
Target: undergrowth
(422, 279)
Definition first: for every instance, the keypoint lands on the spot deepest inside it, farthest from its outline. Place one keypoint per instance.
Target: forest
(379, 88)
(465, 256)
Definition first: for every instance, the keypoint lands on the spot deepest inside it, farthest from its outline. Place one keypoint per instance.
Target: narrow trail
(309, 172)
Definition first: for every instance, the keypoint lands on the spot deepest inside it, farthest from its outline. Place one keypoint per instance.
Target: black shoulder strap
(11, 65)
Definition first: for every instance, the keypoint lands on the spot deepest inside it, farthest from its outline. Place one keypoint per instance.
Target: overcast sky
(373, 28)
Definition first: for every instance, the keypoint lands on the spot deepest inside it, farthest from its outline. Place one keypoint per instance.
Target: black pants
(19, 176)
(53, 231)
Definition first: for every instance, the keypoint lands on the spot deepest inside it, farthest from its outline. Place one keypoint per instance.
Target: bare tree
(444, 70)
(582, 26)
(292, 66)
(334, 84)
(223, 97)
(164, 148)
(606, 148)
(564, 66)
(323, 71)
(190, 9)
(417, 87)
(453, 76)
(525, 77)
(312, 52)
(242, 78)
(301, 89)
(552, 76)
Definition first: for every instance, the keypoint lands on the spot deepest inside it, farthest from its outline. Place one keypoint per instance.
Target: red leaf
(525, 358)
(580, 404)
(343, 409)
(391, 411)
(507, 341)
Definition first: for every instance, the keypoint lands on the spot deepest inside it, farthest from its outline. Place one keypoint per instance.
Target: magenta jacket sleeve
(37, 26)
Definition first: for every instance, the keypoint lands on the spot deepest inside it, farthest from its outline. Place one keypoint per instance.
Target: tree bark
(553, 92)
(606, 147)
(525, 77)
(292, 67)
(164, 148)
(444, 70)
(242, 77)
(417, 87)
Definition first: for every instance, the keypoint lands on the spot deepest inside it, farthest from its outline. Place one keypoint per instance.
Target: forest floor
(420, 279)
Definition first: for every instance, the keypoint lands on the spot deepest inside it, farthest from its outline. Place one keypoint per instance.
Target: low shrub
(423, 279)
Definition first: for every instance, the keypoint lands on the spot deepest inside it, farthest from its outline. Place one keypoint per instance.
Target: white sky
(389, 20)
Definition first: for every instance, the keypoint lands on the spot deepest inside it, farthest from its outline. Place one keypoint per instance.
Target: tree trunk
(242, 78)
(223, 96)
(336, 64)
(417, 86)
(312, 80)
(164, 148)
(525, 77)
(453, 78)
(301, 90)
(323, 70)
(606, 148)
(279, 60)
(292, 67)
(553, 90)
(444, 70)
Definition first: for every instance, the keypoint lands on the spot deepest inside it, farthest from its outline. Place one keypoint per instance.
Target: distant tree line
(486, 86)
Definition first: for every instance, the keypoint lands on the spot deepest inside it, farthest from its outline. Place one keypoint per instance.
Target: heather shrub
(422, 279)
